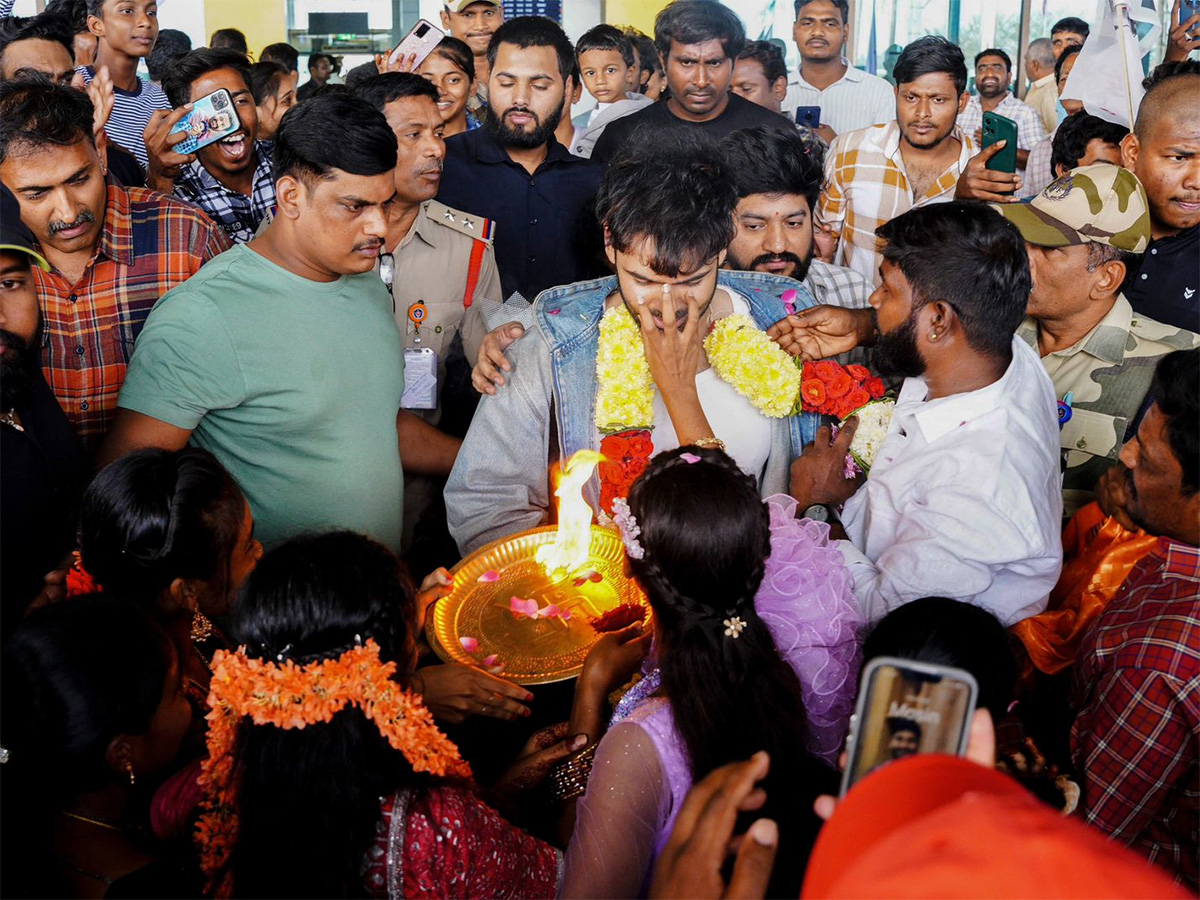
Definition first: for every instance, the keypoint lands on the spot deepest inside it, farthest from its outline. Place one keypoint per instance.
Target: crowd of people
(249, 388)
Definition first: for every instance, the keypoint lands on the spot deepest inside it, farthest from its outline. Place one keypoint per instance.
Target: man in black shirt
(698, 41)
(41, 462)
(514, 172)
(1164, 152)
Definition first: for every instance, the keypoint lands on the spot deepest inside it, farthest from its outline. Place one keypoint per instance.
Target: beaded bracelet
(710, 442)
(569, 779)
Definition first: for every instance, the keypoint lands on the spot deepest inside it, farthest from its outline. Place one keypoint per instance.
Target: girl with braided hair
(754, 622)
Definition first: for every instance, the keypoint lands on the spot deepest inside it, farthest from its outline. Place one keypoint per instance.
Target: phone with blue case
(808, 116)
(211, 119)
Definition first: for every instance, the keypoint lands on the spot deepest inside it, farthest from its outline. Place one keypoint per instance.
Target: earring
(933, 335)
(129, 769)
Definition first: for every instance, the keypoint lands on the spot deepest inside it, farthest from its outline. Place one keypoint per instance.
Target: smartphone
(808, 116)
(1187, 9)
(421, 39)
(211, 119)
(906, 707)
(1001, 128)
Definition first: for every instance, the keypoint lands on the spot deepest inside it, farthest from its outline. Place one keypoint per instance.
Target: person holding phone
(993, 77)
(474, 22)
(451, 69)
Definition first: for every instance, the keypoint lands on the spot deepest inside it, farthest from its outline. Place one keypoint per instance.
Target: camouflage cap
(1103, 203)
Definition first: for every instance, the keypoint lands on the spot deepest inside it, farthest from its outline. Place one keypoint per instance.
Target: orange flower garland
(79, 581)
(290, 696)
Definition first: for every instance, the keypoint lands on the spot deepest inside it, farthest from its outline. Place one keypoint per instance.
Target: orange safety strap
(478, 248)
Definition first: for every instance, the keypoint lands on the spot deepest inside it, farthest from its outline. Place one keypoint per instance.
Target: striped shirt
(856, 100)
(149, 244)
(1029, 123)
(131, 114)
(1136, 737)
(1037, 167)
(866, 185)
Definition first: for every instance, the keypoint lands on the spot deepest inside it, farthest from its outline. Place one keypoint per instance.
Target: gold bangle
(569, 779)
(710, 442)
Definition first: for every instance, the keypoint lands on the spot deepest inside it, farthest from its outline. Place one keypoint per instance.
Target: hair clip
(628, 526)
(734, 627)
(282, 653)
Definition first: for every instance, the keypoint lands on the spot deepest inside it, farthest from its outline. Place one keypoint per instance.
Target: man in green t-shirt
(282, 356)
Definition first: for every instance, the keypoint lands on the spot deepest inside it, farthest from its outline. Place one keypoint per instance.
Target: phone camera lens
(219, 102)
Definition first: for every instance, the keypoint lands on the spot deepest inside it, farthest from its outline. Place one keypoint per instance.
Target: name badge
(420, 379)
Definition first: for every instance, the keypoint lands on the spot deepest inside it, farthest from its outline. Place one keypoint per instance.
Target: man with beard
(666, 207)
(230, 179)
(993, 76)
(113, 251)
(514, 172)
(699, 41)
(43, 472)
(282, 358)
(876, 173)
(964, 499)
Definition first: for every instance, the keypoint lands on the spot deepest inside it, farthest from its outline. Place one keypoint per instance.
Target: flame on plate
(569, 550)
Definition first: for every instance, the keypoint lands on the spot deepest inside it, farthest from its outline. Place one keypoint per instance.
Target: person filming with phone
(993, 77)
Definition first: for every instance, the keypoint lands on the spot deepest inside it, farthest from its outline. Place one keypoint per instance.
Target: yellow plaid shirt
(866, 185)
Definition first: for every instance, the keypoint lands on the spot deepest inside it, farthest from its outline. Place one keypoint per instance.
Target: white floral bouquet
(874, 420)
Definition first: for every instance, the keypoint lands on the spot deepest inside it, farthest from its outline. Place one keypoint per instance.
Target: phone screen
(905, 707)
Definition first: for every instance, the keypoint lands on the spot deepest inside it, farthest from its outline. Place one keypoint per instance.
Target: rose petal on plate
(469, 644)
(488, 577)
(490, 661)
(586, 576)
(690, 458)
(595, 577)
(522, 607)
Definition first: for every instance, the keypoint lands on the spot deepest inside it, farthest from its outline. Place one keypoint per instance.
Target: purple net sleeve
(807, 601)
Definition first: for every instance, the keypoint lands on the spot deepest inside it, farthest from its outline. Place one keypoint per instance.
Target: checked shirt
(237, 214)
(1136, 739)
(149, 243)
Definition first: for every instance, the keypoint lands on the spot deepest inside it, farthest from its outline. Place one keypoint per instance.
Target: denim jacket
(500, 481)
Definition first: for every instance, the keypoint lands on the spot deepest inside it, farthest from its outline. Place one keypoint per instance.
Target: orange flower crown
(290, 696)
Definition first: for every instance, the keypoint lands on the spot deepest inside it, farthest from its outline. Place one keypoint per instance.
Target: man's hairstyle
(392, 86)
(171, 45)
(284, 54)
(648, 58)
(315, 58)
(177, 81)
(1075, 133)
(1174, 390)
(457, 52)
(333, 130)
(842, 5)
(73, 12)
(964, 254)
(39, 113)
(767, 159)
(1061, 62)
(1041, 50)
(1072, 24)
(994, 51)
(265, 78)
(674, 190)
(769, 57)
(229, 39)
(359, 74)
(697, 22)
(606, 37)
(534, 31)
(1168, 81)
(931, 54)
(44, 27)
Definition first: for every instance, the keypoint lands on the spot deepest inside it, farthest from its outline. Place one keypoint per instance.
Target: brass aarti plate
(532, 651)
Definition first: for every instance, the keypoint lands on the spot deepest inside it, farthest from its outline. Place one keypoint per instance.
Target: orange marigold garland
(289, 696)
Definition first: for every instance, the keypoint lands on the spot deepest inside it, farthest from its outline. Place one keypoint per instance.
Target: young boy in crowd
(606, 58)
(126, 31)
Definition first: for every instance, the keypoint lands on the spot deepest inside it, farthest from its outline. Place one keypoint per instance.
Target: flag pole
(1122, 11)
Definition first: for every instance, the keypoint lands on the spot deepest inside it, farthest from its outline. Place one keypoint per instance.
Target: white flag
(1107, 76)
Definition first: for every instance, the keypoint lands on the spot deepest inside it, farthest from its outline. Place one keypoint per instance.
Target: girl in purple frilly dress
(755, 649)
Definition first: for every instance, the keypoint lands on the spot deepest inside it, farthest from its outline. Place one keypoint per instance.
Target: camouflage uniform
(1107, 371)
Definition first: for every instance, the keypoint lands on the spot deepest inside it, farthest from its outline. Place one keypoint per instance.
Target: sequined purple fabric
(807, 601)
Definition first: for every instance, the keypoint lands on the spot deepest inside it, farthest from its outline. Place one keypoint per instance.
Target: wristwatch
(818, 512)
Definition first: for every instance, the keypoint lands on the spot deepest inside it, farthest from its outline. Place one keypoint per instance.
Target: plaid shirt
(236, 213)
(1029, 124)
(1136, 739)
(149, 244)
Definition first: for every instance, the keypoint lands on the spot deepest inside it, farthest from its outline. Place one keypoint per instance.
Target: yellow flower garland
(743, 356)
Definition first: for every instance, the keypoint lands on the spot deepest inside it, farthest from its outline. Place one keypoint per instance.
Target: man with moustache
(44, 471)
(876, 173)
(113, 251)
(474, 22)
(699, 42)
(993, 76)
(282, 358)
(230, 179)
(513, 171)
(964, 499)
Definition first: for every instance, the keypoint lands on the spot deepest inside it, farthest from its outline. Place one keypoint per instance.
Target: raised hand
(978, 182)
(453, 692)
(165, 163)
(820, 332)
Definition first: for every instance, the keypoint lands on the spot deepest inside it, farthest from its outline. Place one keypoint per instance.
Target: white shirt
(1029, 123)
(964, 500)
(856, 100)
(734, 419)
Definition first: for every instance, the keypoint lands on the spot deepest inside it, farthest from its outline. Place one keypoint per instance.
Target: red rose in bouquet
(626, 456)
(831, 389)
